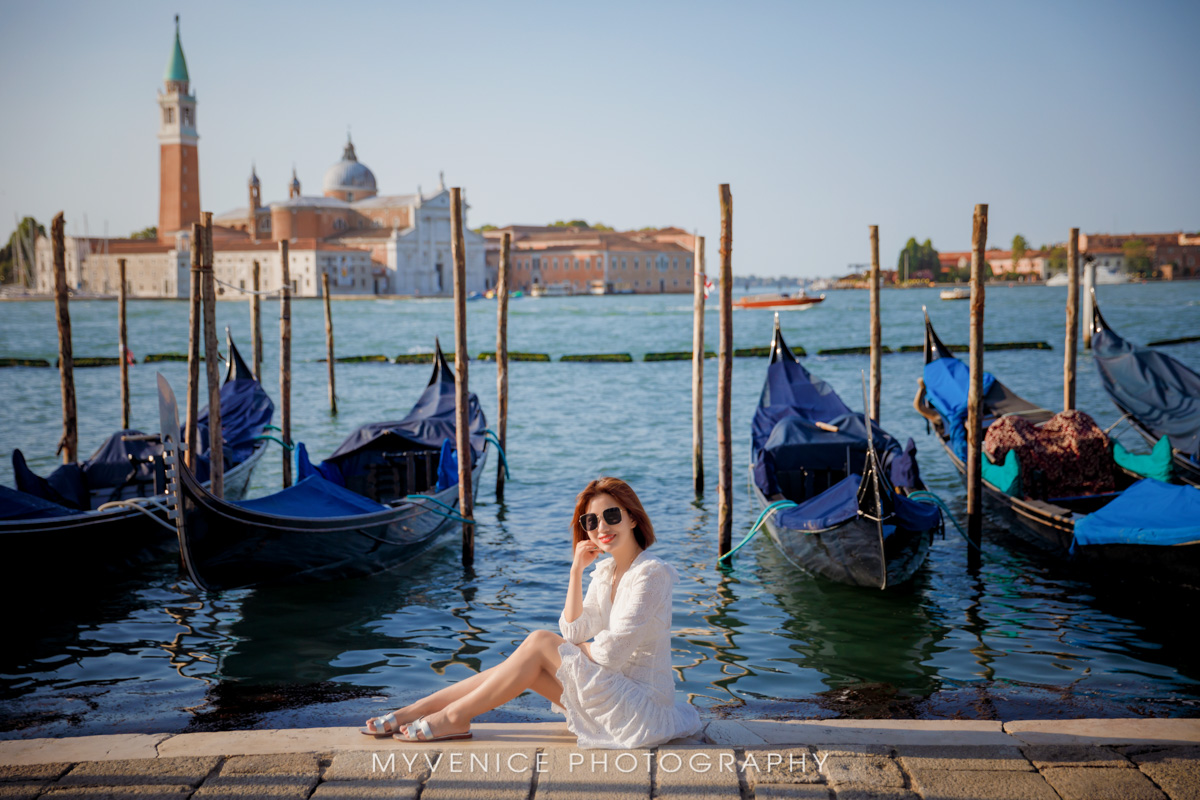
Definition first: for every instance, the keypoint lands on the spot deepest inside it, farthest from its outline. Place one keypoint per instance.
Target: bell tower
(255, 202)
(179, 165)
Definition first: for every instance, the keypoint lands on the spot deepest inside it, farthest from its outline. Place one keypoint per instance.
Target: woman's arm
(581, 617)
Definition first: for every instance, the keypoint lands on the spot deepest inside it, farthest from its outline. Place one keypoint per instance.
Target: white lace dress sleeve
(589, 622)
(625, 698)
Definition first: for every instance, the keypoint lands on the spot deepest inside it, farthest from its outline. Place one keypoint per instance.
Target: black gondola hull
(850, 553)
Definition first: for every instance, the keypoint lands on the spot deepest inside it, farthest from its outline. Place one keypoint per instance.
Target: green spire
(177, 66)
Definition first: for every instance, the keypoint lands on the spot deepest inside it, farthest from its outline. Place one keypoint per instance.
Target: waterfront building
(654, 261)
(366, 242)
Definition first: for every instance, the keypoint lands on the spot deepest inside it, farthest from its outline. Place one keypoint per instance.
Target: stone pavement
(1122, 759)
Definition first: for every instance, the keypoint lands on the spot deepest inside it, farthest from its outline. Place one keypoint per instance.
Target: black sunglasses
(611, 515)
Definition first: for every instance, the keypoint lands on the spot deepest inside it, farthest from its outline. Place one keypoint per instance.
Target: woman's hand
(585, 553)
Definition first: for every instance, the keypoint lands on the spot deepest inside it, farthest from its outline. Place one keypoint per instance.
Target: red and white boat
(776, 300)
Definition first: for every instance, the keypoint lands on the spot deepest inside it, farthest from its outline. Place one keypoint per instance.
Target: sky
(823, 117)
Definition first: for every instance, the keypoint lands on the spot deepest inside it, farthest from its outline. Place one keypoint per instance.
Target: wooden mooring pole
(1089, 286)
(975, 392)
(194, 313)
(502, 357)
(329, 343)
(725, 382)
(212, 365)
(285, 360)
(1072, 320)
(876, 335)
(461, 418)
(69, 443)
(123, 346)
(256, 321)
(698, 368)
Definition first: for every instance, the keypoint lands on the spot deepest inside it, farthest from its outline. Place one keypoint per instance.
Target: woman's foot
(389, 724)
(440, 726)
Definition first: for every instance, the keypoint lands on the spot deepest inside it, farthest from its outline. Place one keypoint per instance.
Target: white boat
(560, 289)
(1105, 276)
(955, 294)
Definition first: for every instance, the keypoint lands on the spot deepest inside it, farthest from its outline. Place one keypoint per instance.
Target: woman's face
(609, 537)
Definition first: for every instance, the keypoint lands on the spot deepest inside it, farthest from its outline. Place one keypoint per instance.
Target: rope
(283, 444)
(494, 439)
(946, 510)
(272, 428)
(758, 523)
(449, 513)
(139, 504)
(263, 293)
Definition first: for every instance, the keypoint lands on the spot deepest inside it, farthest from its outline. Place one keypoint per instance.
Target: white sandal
(420, 728)
(384, 726)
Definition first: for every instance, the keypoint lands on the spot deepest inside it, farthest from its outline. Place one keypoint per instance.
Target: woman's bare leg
(533, 666)
(438, 700)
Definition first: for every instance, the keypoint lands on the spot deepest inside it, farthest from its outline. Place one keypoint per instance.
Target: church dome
(349, 177)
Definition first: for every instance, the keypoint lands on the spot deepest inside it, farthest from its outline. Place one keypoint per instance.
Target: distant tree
(1056, 261)
(921, 257)
(1019, 248)
(484, 228)
(145, 233)
(8, 254)
(569, 223)
(1137, 258)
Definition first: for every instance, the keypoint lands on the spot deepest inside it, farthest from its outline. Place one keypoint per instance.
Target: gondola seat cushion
(1068, 456)
(1005, 476)
(313, 497)
(1156, 464)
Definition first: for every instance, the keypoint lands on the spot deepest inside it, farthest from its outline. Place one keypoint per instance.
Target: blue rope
(272, 428)
(491, 436)
(449, 513)
(758, 523)
(946, 509)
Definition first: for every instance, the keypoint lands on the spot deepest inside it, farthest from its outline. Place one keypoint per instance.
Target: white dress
(626, 697)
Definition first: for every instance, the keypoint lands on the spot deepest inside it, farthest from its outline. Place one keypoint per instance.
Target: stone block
(28, 773)
(1150, 754)
(997, 784)
(1044, 756)
(791, 791)
(826, 733)
(365, 790)
(963, 757)
(278, 764)
(1180, 779)
(863, 771)
(852, 791)
(81, 748)
(731, 734)
(488, 773)
(397, 766)
(141, 772)
(573, 774)
(1106, 731)
(21, 790)
(269, 787)
(764, 766)
(155, 792)
(1090, 783)
(680, 773)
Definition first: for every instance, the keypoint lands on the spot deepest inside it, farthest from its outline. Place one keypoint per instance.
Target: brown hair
(620, 491)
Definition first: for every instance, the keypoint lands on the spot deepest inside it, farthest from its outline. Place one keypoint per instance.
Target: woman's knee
(543, 638)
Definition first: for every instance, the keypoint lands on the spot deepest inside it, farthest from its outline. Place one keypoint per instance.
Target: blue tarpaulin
(313, 497)
(947, 382)
(840, 503)
(16, 505)
(1147, 513)
(1159, 391)
(246, 411)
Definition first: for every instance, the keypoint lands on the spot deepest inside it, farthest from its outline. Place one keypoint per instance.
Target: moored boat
(955, 294)
(847, 518)
(105, 514)
(778, 300)
(1157, 393)
(385, 496)
(1091, 527)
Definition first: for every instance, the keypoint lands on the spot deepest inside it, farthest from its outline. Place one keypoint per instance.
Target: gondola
(1158, 394)
(105, 514)
(1144, 529)
(352, 515)
(851, 522)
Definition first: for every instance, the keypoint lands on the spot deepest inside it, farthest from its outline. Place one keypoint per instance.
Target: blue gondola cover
(947, 382)
(1147, 513)
(1159, 391)
(16, 505)
(313, 497)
